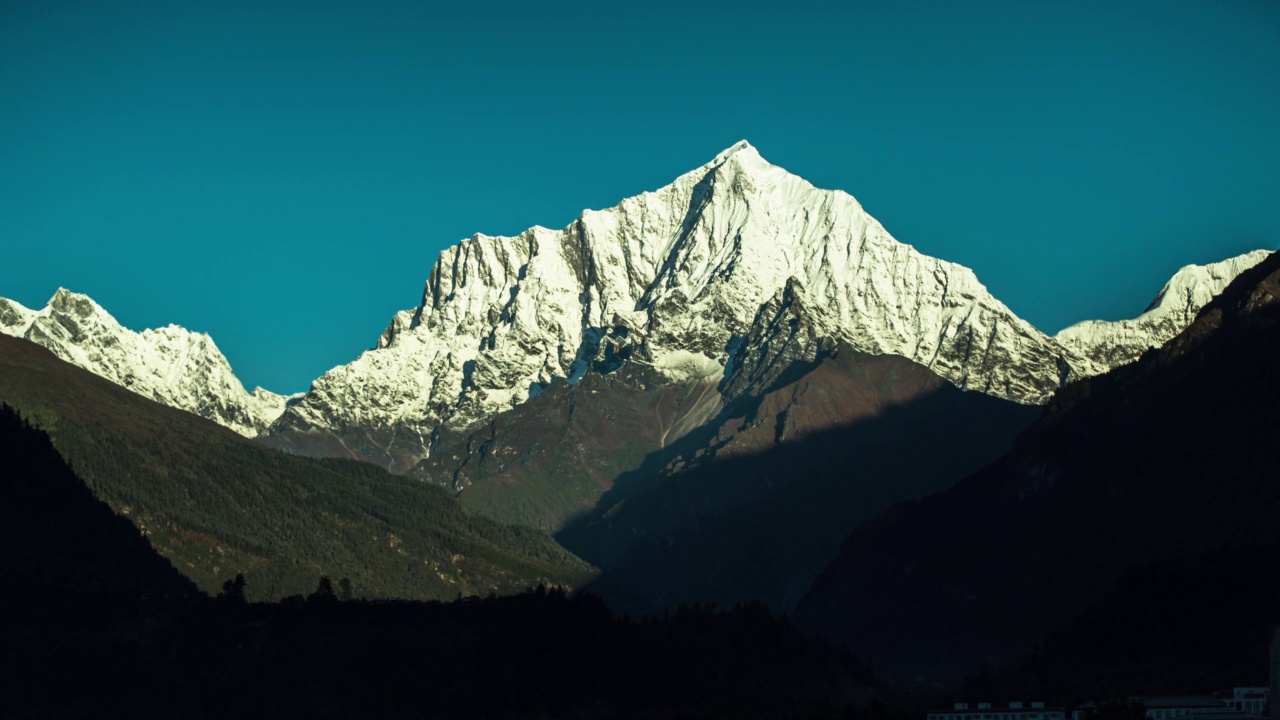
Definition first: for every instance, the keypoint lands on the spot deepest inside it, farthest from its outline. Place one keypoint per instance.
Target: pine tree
(233, 590)
(324, 591)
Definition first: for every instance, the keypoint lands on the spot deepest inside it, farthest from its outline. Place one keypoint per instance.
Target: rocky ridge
(170, 365)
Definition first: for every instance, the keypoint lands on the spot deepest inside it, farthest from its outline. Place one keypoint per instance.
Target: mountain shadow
(541, 654)
(52, 526)
(551, 458)
(217, 504)
(1171, 455)
(1199, 621)
(756, 513)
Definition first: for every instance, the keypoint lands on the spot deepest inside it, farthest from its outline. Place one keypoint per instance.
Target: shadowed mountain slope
(1172, 454)
(216, 504)
(755, 511)
(1194, 622)
(551, 459)
(52, 525)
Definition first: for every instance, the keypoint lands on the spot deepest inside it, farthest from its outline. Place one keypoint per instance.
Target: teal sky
(283, 175)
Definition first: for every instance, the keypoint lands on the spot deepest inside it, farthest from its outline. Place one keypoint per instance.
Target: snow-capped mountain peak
(1193, 286)
(171, 365)
(742, 146)
(685, 268)
(1101, 345)
(725, 276)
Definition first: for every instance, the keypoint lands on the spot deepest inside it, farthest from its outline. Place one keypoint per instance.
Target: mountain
(170, 365)
(1168, 456)
(678, 280)
(579, 381)
(674, 280)
(1104, 345)
(692, 284)
(217, 504)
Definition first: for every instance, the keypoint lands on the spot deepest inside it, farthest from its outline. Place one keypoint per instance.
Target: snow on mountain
(691, 268)
(730, 274)
(169, 365)
(1103, 345)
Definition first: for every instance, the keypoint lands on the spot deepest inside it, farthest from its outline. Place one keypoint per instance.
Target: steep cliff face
(682, 279)
(170, 365)
(1102, 345)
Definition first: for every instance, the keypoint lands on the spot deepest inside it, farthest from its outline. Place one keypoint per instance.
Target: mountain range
(669, 315)
(699, 282)
(735, 388)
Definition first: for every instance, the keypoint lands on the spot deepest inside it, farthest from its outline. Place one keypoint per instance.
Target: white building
(984, 711)
(1250, 700)
(1242, 702)
(1169, 707)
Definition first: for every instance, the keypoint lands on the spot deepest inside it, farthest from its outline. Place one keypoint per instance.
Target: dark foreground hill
(216, 504)
(538, 655)
(1195, 622)
(95, 619)
(1172, 455)
(51, 525)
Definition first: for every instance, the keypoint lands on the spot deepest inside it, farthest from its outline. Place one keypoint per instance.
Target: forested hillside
(217, 505)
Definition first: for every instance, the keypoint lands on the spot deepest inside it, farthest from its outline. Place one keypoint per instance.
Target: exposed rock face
(1102, 345)
(170, 365)
(708, 267)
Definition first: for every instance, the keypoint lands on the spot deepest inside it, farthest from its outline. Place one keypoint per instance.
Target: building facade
(984, 711)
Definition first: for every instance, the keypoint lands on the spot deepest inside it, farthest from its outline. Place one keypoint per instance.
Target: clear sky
(283, 175)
